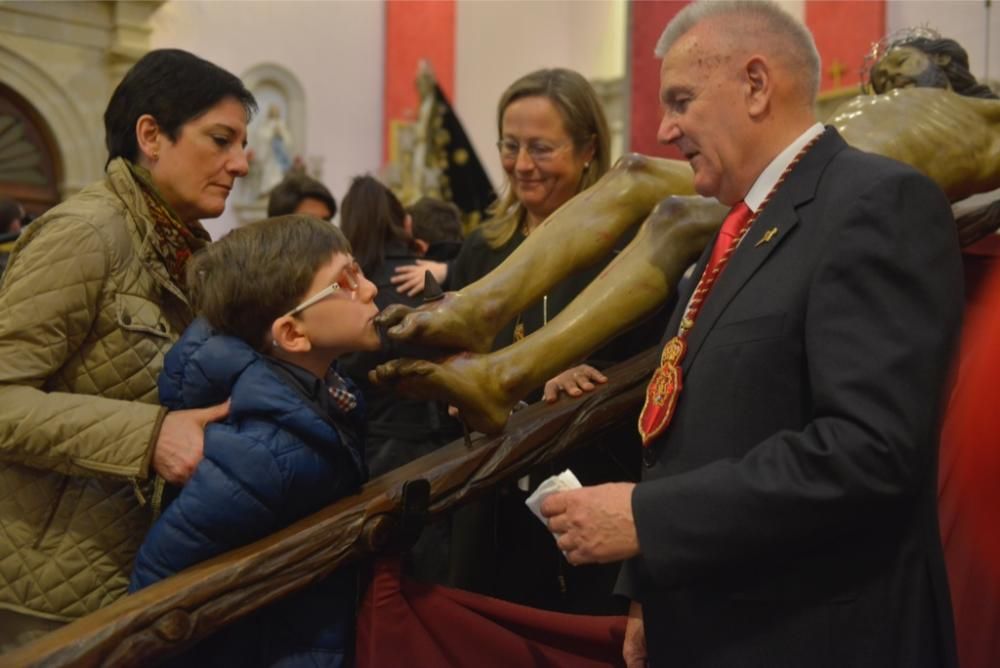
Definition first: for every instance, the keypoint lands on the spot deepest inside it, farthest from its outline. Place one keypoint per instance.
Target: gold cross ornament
(836, 72)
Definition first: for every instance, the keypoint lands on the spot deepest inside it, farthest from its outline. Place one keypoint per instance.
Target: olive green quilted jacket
(87, 311)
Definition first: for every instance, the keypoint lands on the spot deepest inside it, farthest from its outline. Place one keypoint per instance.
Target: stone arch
(30, 166)
(80, 146)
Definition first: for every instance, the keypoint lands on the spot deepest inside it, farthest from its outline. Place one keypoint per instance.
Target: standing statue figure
(273, 143)
(421, 175)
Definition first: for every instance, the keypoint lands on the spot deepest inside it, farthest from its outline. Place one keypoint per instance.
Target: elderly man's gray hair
(761, 20)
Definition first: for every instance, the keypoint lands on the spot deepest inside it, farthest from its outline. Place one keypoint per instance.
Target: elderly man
(786, 516)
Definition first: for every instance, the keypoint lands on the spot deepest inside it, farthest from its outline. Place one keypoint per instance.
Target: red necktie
(729, 235)
(665, 385)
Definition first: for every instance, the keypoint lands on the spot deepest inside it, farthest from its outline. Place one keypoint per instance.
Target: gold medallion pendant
(662, 392)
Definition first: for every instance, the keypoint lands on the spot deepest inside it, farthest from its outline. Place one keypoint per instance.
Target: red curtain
(969, 481)
(406, 623)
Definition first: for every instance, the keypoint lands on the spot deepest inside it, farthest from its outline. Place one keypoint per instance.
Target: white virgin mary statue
(273, 142)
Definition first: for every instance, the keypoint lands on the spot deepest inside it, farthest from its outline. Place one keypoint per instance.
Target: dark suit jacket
(789, 517)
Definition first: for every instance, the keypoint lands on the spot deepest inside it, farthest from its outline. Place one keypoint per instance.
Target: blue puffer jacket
(274, 460)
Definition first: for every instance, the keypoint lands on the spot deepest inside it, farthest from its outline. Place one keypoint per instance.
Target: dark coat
(788, 515)
(279, 456)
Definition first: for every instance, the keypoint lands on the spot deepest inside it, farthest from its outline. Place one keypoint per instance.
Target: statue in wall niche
(273, 143)
(953, 138)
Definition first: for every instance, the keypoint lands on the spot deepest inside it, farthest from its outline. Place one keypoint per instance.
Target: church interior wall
(64, 55)
(334, 49)
(498, 42)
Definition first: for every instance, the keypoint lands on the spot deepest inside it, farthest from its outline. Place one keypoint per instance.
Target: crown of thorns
(878, 49)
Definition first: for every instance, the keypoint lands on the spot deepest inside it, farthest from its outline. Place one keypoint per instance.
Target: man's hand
(409, 279)
(634, 647)
(574, 382)
(181, 442)
(593, 524)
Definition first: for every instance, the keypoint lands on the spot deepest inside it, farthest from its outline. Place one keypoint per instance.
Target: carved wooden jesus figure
(952, 138)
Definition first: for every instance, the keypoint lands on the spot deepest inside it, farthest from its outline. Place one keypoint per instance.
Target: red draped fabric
(646, 21)
(844, 32)
(406, 623)
(969, 481)
(415, 30)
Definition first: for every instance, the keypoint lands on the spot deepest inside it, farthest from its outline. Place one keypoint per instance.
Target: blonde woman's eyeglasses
(537, 151)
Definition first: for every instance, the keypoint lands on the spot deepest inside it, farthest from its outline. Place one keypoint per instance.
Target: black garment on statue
(499, 547)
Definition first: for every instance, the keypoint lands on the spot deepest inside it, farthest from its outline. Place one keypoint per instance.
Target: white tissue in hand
(557, 483)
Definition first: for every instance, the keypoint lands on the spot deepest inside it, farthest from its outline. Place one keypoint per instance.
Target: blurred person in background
(301, 193)
(437, 228)
(12, 219)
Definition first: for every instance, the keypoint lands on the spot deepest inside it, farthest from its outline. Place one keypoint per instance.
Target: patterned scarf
(175, 242)
(340, 393)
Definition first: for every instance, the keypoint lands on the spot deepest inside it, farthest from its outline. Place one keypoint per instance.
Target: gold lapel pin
(770, 234)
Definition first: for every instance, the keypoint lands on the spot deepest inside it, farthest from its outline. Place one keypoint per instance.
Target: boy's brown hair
(255, 274)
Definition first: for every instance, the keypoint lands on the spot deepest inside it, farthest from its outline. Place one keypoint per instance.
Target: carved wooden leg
(486, 387)
(576, 236)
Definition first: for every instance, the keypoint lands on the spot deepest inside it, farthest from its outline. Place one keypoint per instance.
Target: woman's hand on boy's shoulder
(180, 444)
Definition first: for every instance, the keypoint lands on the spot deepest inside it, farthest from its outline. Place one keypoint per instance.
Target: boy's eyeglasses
(349, 280)
(537, 151)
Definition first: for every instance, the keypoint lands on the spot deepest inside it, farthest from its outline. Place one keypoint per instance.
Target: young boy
(278, 301)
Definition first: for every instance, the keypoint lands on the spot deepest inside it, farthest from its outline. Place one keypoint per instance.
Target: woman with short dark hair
(93, 297)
